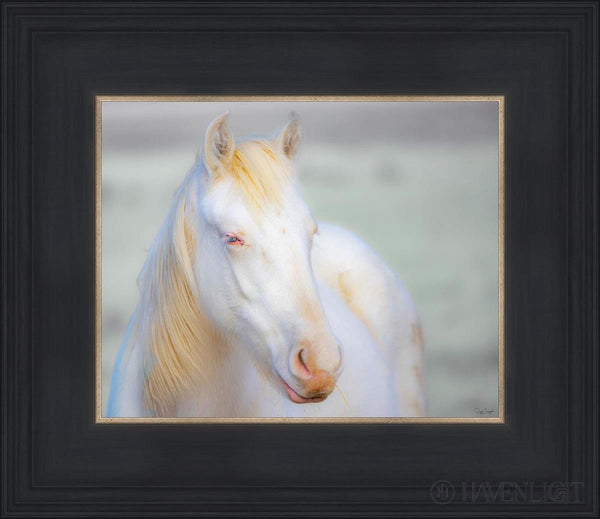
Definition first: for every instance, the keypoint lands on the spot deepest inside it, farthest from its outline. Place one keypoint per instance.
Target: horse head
(253, 258)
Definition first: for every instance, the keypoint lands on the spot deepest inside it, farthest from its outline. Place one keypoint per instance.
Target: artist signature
(483, 411)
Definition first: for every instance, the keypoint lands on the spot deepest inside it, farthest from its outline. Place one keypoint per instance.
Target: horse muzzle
(314, 384)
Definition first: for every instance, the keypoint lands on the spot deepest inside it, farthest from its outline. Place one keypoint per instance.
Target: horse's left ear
(291, 135)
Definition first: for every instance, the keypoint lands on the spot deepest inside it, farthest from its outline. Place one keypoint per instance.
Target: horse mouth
(298, 399)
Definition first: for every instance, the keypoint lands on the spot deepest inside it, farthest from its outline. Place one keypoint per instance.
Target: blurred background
(417, 180)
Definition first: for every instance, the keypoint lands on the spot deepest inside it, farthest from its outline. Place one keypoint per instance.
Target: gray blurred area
(417, 180)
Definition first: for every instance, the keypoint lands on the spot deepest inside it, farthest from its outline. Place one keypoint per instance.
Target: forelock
(259, 172)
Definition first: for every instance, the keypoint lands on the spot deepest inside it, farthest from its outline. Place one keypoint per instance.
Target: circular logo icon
(442, 492)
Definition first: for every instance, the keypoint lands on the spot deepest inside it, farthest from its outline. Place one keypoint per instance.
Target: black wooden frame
(57, 56)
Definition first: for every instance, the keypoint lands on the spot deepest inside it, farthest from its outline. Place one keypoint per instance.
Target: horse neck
(232, 384)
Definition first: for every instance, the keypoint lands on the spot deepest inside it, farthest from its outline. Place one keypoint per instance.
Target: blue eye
(232, 239)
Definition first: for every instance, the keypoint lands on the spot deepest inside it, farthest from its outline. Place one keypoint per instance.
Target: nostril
(302, 367)
(302, 359)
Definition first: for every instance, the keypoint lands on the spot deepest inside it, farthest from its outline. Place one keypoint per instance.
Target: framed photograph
(278, 314)
(320, 259)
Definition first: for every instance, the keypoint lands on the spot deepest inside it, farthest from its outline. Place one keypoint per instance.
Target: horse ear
(218, 144)
(290, 137)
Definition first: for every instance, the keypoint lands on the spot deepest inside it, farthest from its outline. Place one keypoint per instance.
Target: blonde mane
(170, 322)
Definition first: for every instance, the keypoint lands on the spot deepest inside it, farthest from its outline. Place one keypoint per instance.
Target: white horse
(248, 308)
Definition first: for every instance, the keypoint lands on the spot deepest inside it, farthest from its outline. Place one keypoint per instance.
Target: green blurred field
(427, 204)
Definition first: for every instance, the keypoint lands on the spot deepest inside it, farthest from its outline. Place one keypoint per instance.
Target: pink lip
(296, 398)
